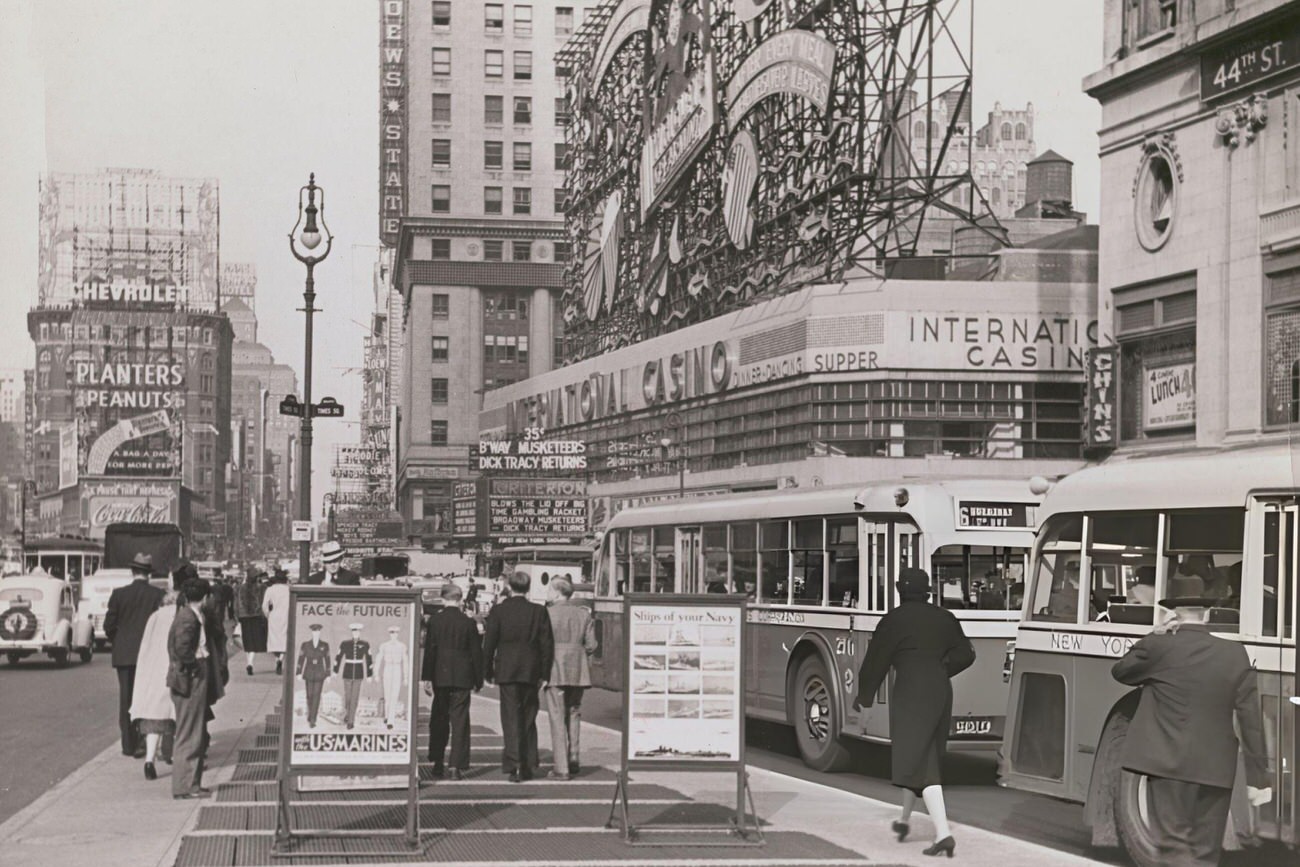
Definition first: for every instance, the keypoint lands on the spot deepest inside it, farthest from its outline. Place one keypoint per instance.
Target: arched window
(919, 130)
(1006, 132)
(1008, 170)
(997, 196)
(1021, 132)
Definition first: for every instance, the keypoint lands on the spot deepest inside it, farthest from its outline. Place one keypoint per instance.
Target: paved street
(55, 720)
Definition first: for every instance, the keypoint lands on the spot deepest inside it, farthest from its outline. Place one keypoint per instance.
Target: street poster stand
(345, 646)
(684, 704)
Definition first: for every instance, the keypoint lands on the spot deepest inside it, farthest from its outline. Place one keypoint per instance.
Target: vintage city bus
(63, 557)
(819, 567)
(1115, 539)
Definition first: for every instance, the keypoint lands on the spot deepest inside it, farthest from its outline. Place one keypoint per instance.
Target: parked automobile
(38, 614)
(95, 590)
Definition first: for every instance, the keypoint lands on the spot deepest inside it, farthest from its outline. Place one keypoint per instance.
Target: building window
(523, 21)
(1155, 202)
(1155, 327)
(561, 156)
(441, 199)
(438, 392)
(494, 110)
(559, 346)
(523, 109)
(442, 108)
(492, 200)
(506, 305)
(523, 200)
(493, 159)
(563, 20)
(492, 250)
(442, 153)
(1282, 347)
(561, 69)
(441, 305)
(1021, 132)
(521, 251)
(1147, 18)
(441, 346)
(523, 66)
(442, 14)
(494, 18)
(523, 349)
(561, 199)
(494, 63)
(440, 248)
(523, 156)
(438, 432)
(442, 61)
(562, 111)
(562, 251)
(1006, 132)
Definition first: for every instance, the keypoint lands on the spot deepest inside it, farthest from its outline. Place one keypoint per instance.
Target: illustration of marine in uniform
(314, 669)
(356, 665)
(392, 662)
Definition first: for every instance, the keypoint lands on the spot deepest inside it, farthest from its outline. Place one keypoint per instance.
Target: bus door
(690, 560)
(1277, 522)
(876, 559)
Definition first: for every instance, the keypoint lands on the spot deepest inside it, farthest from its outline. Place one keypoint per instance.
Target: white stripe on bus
(1273, 658)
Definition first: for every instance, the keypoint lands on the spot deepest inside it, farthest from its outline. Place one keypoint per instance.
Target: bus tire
(1131, 819)
(816, 718)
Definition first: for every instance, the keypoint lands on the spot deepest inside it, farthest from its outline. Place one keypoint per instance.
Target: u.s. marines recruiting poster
(352, 664)
(684, 685)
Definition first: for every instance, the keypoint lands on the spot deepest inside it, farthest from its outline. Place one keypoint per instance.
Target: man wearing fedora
(129, 608)
(1193, 684)
(333, 573)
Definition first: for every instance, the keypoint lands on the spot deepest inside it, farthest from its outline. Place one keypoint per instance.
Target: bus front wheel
(1133, 819)
(816, 717)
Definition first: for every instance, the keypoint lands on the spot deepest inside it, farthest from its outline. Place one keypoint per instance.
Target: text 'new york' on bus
(1114, 540)
(820, 567)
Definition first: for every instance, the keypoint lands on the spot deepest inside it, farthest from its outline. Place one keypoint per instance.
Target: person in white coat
(151, 699)
(275, 605)
(392, 662)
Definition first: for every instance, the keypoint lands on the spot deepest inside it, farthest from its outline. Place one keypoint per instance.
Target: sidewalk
(108, 814)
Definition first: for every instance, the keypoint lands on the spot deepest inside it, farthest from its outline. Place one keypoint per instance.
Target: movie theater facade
(831, 384)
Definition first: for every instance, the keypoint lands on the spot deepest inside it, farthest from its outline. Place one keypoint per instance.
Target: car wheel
(60, 657)
(816, 717)
(86, 653)
(14, 658)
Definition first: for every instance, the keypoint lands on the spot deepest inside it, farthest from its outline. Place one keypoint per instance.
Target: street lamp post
(303, 241)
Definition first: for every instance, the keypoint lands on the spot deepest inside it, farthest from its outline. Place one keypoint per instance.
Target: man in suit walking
(314, 669)
(1193, 683)
(356, 665)
(453, 665)
(518, 649)
(129, 608)
(575, 640)
(333, 573)
(195, 685)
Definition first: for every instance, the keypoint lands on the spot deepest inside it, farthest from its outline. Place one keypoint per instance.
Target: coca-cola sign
(109, 502)
(141, 512)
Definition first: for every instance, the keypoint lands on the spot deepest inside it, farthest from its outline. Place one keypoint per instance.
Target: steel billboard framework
(725, 151)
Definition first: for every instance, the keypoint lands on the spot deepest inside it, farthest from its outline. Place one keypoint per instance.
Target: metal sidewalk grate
(206, 852)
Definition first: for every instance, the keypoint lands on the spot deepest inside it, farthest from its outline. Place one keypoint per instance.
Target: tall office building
(472, 159)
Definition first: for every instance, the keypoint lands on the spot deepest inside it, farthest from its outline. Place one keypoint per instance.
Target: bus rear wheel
(816, 718)
(1133, 819)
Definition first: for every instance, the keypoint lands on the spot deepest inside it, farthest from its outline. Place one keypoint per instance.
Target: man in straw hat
(333, 573)
(1193, 684)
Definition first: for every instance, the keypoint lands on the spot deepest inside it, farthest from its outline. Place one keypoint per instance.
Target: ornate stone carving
(1238, 123)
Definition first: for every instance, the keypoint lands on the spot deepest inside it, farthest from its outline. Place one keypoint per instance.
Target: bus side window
(640, 560)
(807, 561)
(842, 548)
(1279, 580)
(665, 559)
(744, 558)
(1059, 548)
(1119, 544)
(715, 559)
(774, 563)
(1204, 554)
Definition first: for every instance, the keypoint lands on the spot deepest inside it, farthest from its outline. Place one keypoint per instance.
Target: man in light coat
(575, 640)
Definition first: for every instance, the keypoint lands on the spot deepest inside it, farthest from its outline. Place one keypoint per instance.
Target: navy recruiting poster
(684, 683)
(352, 662)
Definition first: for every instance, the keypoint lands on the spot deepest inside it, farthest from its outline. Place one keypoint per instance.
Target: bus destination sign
(987, 515)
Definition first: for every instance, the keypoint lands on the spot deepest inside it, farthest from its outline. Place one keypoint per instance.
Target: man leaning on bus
(1182, 734)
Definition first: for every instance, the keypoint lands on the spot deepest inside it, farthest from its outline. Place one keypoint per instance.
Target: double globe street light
(304, 242)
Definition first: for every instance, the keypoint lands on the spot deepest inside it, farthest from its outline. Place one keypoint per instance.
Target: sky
(258, 93)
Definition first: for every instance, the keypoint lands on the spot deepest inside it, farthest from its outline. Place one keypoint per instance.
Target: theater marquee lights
(728, 150)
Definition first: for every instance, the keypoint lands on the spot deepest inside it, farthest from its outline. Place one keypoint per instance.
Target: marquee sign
(716, 164)
(392, 126)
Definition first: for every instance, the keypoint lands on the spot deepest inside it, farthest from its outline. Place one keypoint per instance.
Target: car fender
(83, 633)
(61, 634)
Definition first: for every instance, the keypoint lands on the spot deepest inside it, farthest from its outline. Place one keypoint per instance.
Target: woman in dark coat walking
(925, 646)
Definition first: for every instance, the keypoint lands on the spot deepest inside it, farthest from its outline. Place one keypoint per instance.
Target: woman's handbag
(179, 681)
